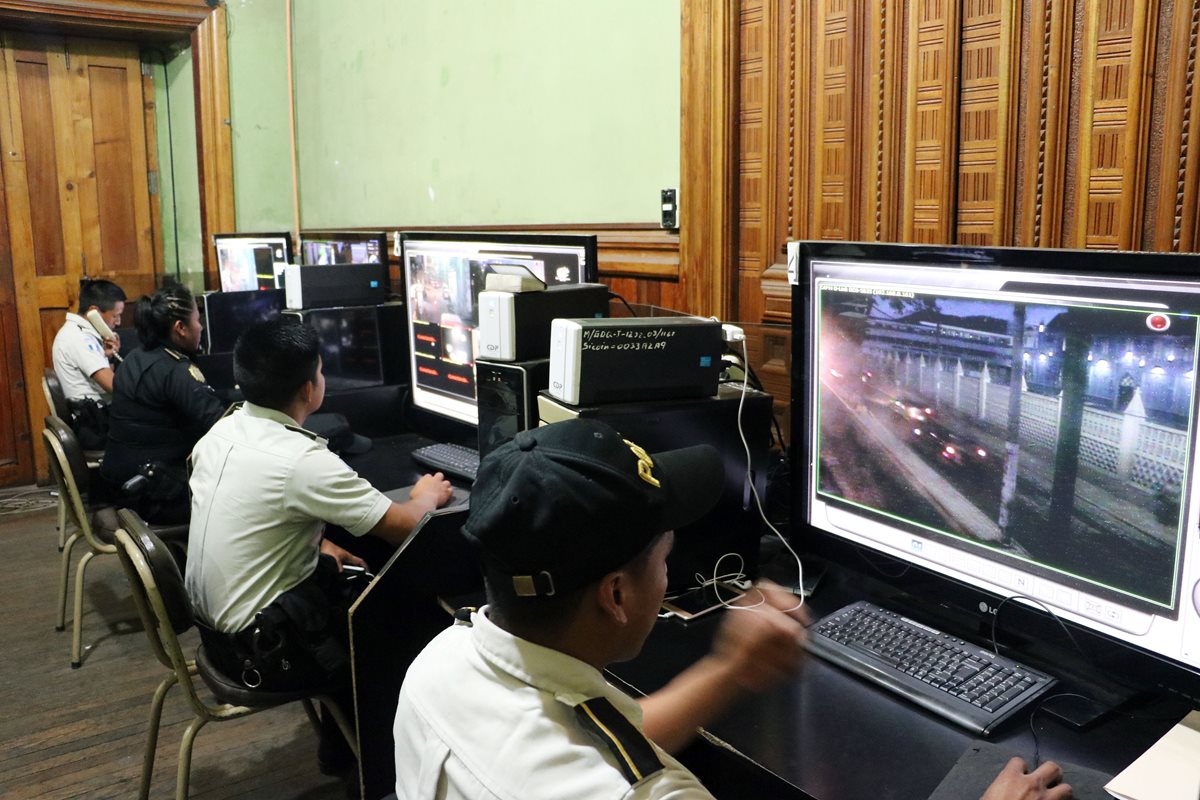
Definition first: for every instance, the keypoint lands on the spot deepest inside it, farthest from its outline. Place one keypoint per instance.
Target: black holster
(300, 640)
(89, 421)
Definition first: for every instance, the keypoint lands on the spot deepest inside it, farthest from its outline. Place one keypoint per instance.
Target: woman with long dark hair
(161, 407)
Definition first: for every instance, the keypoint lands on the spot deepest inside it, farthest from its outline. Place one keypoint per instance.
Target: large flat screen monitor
(227, 314)
(444, 273)
(248, 261)
(1019, 423)
(343, 247)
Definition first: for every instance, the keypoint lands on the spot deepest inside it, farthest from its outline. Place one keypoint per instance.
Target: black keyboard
(450, 459)
(966, 684)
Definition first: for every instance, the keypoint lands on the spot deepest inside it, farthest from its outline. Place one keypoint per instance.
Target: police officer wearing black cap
(573, 524)
(161, 407)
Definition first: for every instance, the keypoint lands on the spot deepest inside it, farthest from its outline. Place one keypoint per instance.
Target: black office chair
(166, 612)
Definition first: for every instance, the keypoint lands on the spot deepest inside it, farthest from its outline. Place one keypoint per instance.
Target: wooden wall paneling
(793, 155)
(754, 136)
(1175, 220)
(708, 97)
(882, 105)
(987, 122)
(835, 215)
(652, 254)
(1047, 86)
(21, 236)
(16, 461)
(66, 175)
(150, 128)
(1115, 75)
(153, 18)
(214, 135)
(931, 121)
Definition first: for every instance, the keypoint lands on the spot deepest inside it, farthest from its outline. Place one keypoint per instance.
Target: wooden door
(74, 139)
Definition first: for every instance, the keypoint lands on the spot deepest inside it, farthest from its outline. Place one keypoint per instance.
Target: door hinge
(24, 436)
(152, 181)
(67, 57)
(145, 69)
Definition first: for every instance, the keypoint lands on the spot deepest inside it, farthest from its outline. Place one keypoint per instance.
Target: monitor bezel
(936, 592)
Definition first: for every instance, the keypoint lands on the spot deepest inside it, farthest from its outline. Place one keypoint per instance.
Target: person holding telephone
(161, 407)
(83, 355)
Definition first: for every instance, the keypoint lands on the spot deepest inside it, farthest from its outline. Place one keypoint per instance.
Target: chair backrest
(56, 398)
(158, 591)
(69, 470)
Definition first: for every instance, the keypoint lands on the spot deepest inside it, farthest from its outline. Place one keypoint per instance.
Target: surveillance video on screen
(1049, 435)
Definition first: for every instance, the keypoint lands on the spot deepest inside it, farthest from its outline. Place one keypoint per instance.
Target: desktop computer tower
(734, 525)
(507, 393)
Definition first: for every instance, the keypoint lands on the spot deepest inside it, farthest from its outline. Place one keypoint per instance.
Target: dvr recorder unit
(516, 326)
(637, 358)
(331, 285)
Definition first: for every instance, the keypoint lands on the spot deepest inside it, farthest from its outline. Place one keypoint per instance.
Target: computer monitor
(1011, 426)
(227, 314)
(350, 355)
(248, 261)
(444, 273)
(343, 247)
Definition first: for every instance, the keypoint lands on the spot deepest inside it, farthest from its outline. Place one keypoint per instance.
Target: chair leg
(77, 637)
(64, 580)
(62, 523)
(156, 705)
(313, 717)
(343, 723)
(185, 758)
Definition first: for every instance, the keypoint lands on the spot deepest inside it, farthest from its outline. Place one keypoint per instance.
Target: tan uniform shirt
(262, 491)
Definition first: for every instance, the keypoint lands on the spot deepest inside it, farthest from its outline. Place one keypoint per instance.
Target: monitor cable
(734, 334)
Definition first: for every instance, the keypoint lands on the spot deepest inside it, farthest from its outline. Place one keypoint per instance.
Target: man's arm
(754, 649)
(430, 492)
(104, 377)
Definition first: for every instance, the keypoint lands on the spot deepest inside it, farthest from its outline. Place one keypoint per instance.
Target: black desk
(827, 735)
(399, 612)
(831, 736)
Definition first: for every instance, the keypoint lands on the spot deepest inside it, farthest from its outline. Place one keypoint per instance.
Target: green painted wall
(179, 183)
(258, 106)
(457, 112)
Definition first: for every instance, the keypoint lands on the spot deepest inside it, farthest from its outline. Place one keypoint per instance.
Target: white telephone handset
(93, 316)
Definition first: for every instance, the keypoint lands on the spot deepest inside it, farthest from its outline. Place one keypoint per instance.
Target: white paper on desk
(1169, 770)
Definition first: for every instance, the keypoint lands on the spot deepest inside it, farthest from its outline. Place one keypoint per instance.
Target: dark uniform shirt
(161, 407)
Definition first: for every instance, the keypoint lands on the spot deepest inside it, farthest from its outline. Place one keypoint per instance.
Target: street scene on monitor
(1053, 434)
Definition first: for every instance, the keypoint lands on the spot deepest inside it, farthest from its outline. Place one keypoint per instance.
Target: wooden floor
(81, 733)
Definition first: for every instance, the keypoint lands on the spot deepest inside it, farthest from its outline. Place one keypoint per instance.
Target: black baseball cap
(565, 504)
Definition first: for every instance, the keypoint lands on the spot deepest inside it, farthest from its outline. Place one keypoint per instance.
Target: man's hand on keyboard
(762, 644)
(433, 488)
(1014, 783)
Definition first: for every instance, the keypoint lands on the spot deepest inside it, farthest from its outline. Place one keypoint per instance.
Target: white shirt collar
(570, 680)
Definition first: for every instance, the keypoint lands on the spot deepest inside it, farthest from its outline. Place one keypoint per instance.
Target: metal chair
(94, 525)
(56, 402)
(166, 612)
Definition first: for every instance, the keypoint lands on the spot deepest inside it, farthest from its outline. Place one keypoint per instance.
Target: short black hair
(156, 314)
(99, 293)
(547, 613)
(272, 360)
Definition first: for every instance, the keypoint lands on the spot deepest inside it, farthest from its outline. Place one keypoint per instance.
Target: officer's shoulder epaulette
(316, 437)
(174, 354)
(635, 756)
